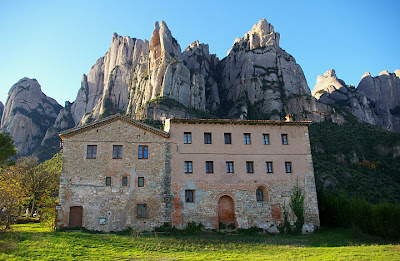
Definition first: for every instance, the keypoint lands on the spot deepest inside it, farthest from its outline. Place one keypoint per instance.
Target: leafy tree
(7, 148)
(11, 195)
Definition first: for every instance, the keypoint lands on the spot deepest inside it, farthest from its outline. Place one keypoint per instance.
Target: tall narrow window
(140, 182)
(268, 167)
(246, 138)
(187, 138)
(141, 210)
(124, 181)
(108, 181)
(207, 138)
(188, 167)
(250, 166)
(260, 195)
(117, 152)
(288, 167)
(209, 167)
(143, 152)
(284, 139)
(228, 138)
(266, 139)
(229, 167)
(91, 151)
(189, 196)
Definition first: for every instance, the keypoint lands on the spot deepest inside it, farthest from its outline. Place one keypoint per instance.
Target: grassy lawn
(33, 242)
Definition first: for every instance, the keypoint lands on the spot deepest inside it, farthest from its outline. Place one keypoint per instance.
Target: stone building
(120, 173)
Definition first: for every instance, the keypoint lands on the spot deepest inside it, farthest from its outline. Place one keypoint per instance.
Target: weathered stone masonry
(217, 197)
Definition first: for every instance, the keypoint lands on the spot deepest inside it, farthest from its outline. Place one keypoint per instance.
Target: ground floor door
(226, 210)
(75, 216)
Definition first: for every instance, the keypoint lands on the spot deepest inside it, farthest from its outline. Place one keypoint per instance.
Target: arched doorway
(226, 210)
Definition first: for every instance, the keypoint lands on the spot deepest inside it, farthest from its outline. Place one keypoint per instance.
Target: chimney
(289, 117)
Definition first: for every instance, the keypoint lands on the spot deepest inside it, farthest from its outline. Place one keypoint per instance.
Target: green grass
(32, 242)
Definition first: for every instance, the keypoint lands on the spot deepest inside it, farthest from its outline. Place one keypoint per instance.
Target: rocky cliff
(1, 110)
(376, 100)
(257, 72)
(155, 80)
(28, 114)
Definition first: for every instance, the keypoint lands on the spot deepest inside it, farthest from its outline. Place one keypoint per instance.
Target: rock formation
(156, 80)
(376, 100)
(28, 114)
(1, 110)
(258, 73)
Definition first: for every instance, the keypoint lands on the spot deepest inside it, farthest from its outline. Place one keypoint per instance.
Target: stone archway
(226, 210)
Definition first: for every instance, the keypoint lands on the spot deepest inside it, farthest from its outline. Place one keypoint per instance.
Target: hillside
(358, 158)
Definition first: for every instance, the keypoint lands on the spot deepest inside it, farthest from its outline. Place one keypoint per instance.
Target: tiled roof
(240, 122)
(95, 124)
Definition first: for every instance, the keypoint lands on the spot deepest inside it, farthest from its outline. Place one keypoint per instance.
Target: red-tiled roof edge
(238, 121)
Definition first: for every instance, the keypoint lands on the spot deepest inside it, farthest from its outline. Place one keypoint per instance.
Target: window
(91, 151)
(250, 166)
(228, 138)
(260, 195)
(268, 167)
(189, 196)
(143, 152)
(108, 181)
(284, 139)
(140, 182)
(288, 167)
(187, 138)
(141, 210)
(188, 167)
(266, 139)
(246, 138)
(229, 167)
(117, 152)
(209, 167)
(207, 138)
(124, 181)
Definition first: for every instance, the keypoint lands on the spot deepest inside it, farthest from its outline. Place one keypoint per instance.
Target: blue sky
(58, 41)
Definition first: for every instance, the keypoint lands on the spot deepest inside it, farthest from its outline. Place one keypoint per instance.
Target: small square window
(207, 138)
(266, 139)
(141, 210)
(189, 196)
(140, 181)
(117, 152)
(124, 181)
(108, 181)
(268, 167)
(228, 138)
(143, 152)
(250, 166)
(284, 139)
(188, 167)
(187, 138)
(91, 151)
(246, 138)
(229, 167)
(209, 167)
(288, 167)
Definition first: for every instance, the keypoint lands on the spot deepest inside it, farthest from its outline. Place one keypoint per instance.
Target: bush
(381, 219)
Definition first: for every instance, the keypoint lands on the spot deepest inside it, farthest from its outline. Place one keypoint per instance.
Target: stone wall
(83, 181)
(241, 186)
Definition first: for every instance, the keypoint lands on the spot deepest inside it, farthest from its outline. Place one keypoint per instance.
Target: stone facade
(114, 207)
(178, 187)
(249, 171)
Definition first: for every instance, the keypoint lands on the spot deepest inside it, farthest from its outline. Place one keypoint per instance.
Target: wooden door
(226, 210)
(75, 216)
